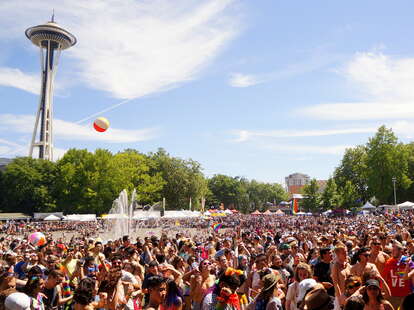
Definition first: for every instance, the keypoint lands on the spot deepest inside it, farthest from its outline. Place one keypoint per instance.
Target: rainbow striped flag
(295, 206)
(216, 226)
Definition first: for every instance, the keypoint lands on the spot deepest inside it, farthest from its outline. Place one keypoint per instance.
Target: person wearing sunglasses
(378, 257)
(360, 263)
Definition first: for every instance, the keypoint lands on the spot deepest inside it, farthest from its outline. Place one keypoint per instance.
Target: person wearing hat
(269, 297)
(17, 301)
(373, 298)
(318, 299)
(224, 295)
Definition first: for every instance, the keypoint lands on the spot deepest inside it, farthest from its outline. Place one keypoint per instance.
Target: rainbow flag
(216, 226)
(295, 206)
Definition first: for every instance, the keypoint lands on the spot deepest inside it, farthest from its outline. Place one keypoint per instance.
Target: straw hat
(269, 281)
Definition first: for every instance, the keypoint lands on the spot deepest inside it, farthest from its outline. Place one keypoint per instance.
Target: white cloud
(381, 76)
(385, 84)
(4, 150)
(361, 111)
(11, 77)
(65, 130)
(308, 149)
(317, 59)
(7, 142)
(132, 48)
(244, 80)
(245, 135)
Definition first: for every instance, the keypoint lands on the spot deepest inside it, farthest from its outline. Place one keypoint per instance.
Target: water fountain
(121, 214)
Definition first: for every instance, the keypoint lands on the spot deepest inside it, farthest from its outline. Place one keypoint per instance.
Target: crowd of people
(251, 263)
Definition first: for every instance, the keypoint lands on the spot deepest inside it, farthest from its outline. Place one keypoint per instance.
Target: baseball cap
(304, 287)
(372, 282)
(285, 246)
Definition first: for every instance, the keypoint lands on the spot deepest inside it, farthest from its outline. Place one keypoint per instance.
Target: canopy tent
(327, 212)
(114, 216)
(368, 206)
(80, 217)
(284, 203)
(52, 218)
(279, 212)
(218, 214)
(142, 215)
(227, 211)
(267, 212)
(406, 205)
(257, 212)
(301, 213)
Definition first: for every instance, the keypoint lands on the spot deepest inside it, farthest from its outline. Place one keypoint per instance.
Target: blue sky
(259, 89)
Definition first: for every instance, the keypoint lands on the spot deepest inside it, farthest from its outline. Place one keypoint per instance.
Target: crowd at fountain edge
(251, 262)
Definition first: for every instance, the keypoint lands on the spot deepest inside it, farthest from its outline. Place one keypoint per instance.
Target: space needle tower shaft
(51, 39)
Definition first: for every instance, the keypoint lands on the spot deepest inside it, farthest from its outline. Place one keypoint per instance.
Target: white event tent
(368, 206)
(52, 217)
(406, 205)
(80, 217)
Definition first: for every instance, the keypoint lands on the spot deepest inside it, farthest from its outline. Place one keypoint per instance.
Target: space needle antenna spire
(51, 40)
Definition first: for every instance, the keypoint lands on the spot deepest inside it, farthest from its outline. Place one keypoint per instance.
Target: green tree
(405, 194)
(225, 189)
(386, 158)
(136, 170)
(353, 168)
(85, 183)
(349, 197)
(183, 179)
(311, 202)
(330, 198)
(28, 186)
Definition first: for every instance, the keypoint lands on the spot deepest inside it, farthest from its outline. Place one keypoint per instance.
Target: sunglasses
(376, 243)
(350, 287)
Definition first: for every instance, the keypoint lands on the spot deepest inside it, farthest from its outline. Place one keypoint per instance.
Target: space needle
(51, 39)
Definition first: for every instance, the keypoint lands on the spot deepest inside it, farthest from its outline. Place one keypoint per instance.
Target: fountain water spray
(121, 214)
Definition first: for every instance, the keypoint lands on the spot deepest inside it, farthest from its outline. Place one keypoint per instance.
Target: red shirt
(393, 274)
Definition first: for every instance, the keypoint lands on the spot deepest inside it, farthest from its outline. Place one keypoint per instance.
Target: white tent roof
(407, 204)
(368, 206)
(227, 211)
(81, 217)
(52, 218)
(115, 216)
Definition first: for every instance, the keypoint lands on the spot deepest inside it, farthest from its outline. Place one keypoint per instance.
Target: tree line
(366, 173)
(88, 182)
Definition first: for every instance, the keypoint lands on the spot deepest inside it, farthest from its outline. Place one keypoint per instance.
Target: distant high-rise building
(295, 182)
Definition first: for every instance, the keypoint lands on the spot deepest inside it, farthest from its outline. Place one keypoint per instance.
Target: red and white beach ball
(101, 124)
